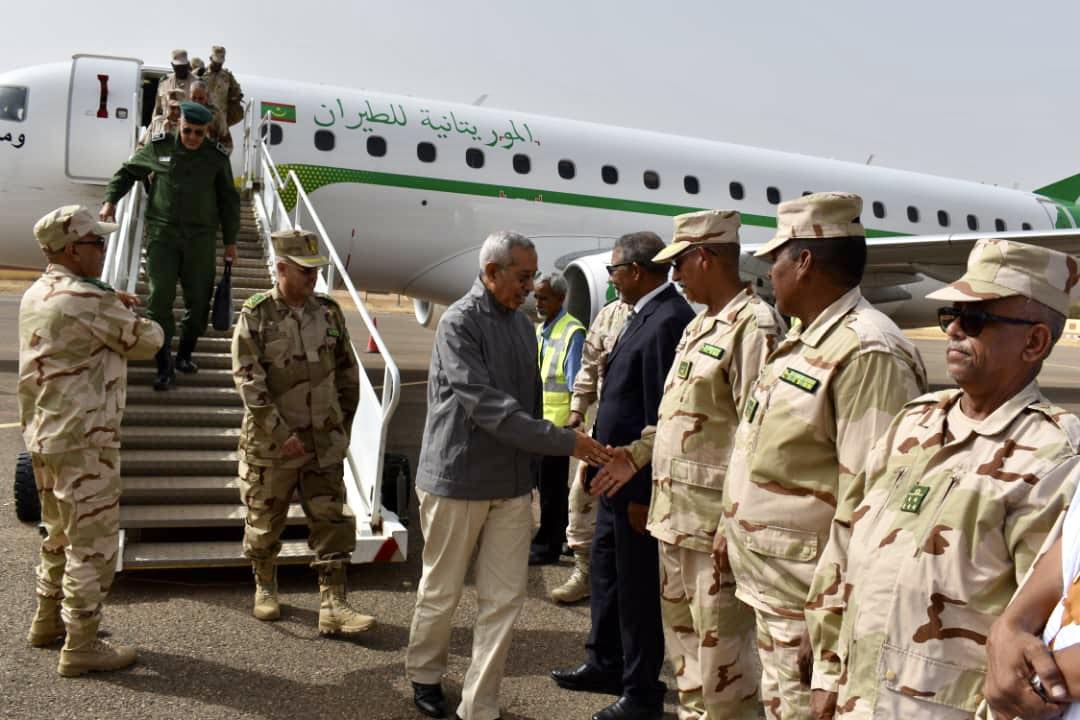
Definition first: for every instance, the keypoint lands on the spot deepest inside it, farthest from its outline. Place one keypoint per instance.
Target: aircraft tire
(27, 504)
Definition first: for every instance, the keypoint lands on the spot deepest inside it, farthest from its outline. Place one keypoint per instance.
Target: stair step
(257, 270)
(176, 516)
(149, 556)
(181, 416)
(210, 331)
(191, 490)
(179, 462)
(150, 437)
(240, 292)
(206, 377)
(205, 360)
(184, 395)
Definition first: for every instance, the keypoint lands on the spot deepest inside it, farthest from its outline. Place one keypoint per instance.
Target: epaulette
(222, 149)
(255, 300)
(159, 136)
(1068, 423)
(934, 397)
(327, 300)
(96, 282)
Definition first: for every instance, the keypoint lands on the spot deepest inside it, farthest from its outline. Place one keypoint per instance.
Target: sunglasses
(972, 322)
(612, 268)
(197, 132)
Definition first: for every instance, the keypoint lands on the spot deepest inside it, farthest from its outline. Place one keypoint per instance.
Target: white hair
(498, 245)
(556, 282)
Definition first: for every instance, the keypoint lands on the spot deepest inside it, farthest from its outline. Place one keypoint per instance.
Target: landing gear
(27, 504)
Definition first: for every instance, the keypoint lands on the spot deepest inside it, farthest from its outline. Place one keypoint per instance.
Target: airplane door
(103, 113)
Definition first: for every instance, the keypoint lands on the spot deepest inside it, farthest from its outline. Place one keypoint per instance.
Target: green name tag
(684, 369)
(333, 332)
(750, 410)
(800, 380)
(914, 499)
(712, 351)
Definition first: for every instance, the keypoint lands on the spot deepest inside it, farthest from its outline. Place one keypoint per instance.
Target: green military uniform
(192, 194)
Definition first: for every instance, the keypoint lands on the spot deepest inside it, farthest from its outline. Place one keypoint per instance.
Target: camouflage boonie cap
(300, 246)
(708, 227)
(217, 54)
(179, 57)
(1004, 268)
(68, 224)
(816, 216)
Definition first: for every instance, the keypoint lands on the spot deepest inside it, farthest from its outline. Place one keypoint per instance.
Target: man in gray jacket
(482, 441)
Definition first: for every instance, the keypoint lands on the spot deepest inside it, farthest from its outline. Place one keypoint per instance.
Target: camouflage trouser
(267, 492)
(784, 697)
(80, 509)
(582, 525)
(709, 636)
(899, 706)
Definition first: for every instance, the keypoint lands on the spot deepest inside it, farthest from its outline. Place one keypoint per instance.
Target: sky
(979, 90)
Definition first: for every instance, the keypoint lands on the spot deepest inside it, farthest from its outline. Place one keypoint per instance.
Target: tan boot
(46, 627)
(266, 606)
(335, 615)
(85, 652)
(577, 586)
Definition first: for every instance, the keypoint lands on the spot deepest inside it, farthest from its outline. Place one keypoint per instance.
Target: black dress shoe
(588, 679)
(626, 709)
(429, 699)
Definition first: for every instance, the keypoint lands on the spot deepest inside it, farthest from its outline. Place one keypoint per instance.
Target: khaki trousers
(452, 530)
(582, 521)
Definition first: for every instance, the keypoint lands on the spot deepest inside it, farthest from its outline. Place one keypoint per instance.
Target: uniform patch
(159, 136)
(712, 351)
(800, 380)
(253, 301)
(222, 149)
(914, 499)
(750, 410)
(684, 369)
(333, 332)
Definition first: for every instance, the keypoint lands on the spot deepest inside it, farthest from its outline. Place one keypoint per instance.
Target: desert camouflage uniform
(218, 129)
(599, 340)
(295, 372)
(827, 393)
(928, 546)
(171, 82)
(223, 89)
(75, 338)
(709, 633)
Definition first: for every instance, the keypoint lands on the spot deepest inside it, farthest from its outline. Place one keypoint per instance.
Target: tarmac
(202, 654)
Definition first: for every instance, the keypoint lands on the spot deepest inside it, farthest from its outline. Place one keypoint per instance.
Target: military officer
(294, 368)
(581, 522)
(168, 123)
(198, 67)
(76, 335)
(932, 538)
(708, 632)
(191, 196)
(179, 79)
(827, 391)
(218, 130)
(225, 91)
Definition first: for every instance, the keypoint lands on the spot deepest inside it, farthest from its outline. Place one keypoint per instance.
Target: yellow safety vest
(552, 360)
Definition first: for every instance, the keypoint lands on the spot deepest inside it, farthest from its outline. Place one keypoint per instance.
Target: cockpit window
(12, 103)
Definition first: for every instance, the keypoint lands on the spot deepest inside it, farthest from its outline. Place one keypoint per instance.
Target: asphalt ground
(202, 654)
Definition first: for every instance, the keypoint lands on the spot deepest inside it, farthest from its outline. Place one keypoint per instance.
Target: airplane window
(972, 222)
(943, 218)
(879, 209)
(13, 103)
(566, 169)
(913, 213)
(999, 225)
(652, 179)
(276, 133)
(324, 140)
(736, 190)
(474, 158)
(425, 151)
(609, 174)
(376, 146)
(773, 195)
(522, 164)
(807, 192)
(1025, 226)
(691, 185)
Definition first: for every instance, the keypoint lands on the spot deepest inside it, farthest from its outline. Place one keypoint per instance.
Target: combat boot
(85, 652)
(165, 378)
(335, 615)
(46, 627)
(266, 600)
(183, 356)
(577, 586)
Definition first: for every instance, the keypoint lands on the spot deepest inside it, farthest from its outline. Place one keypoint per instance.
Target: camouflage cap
(815, 217)
(196, 113)
(300, 246)
(179, 57)
(217, 54)
(1004, 268)
(197, 64)
(708, 227)
(68, 224)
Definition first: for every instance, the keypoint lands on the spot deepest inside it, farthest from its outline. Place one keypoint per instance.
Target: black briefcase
(221, 315)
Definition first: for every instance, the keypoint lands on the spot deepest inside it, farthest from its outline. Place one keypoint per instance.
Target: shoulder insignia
(98, 283)
(1068, 423)
(255, 300)
(937, 397)
(222, 149)
(327, 300)
(159, 136)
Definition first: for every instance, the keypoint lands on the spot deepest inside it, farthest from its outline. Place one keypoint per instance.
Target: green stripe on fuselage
(313, 177)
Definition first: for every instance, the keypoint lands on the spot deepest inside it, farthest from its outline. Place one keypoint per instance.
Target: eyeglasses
(684, 255)
(197, 132)
(972, 322)
(99, 243)
(612, 268)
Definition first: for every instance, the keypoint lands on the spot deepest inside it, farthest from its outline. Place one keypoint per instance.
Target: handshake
(616, 466)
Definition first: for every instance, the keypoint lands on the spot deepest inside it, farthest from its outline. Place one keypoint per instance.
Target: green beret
(195, 113)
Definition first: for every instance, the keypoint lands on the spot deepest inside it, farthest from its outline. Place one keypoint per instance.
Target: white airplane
(408, 188)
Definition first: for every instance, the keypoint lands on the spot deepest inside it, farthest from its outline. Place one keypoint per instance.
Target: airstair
(181, 504)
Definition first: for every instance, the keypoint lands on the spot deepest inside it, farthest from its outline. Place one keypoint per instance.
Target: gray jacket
(484, 424)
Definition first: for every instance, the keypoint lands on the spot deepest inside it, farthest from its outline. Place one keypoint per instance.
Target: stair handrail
(274, 215)
(121, 267)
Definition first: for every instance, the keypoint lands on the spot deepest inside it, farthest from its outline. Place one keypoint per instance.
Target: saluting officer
(294, 368)
(191, 196)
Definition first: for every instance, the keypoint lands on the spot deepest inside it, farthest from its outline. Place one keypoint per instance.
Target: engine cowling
(589, 287)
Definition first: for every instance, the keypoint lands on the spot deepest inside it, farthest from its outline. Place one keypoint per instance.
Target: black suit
(626, 634)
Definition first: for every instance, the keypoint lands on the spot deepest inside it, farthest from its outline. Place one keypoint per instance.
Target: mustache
(960, 347)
